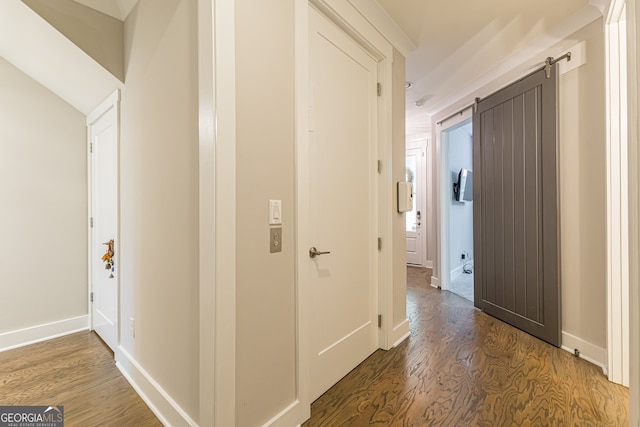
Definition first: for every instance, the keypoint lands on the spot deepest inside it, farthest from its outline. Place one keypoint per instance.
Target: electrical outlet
(275, 240)
(132, 325)
(464, 255)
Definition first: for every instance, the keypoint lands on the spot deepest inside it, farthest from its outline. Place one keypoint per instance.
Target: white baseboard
(289, 416)
(588, 351)
(435, 282)
(161, 404)
(33, 334)
(456, 272)
(400, 333)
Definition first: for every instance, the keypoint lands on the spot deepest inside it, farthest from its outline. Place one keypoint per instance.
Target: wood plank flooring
(461, 367)
(78, 372)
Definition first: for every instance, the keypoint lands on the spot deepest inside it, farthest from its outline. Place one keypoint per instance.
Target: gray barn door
(516, 206)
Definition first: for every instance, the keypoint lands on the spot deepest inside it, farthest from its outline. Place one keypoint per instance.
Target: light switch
(275, 212)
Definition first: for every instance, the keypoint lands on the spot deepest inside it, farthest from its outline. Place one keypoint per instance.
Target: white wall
(43, 220)
(460, 146)
(265, 316)
(159, 198)
(583, 196)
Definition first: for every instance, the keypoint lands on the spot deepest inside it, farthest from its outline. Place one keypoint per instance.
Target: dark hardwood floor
(461, 367)
(78, 372)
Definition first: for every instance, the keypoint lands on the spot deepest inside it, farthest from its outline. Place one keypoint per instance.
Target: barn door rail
(548, 64)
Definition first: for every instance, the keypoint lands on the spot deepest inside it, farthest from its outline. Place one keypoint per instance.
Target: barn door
(516, 206)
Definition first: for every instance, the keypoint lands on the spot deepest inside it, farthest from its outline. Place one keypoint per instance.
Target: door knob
(313, 252)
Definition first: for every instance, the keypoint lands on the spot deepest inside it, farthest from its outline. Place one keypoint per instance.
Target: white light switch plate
(275, 212)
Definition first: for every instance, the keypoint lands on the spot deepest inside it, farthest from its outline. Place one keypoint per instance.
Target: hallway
(462, 367)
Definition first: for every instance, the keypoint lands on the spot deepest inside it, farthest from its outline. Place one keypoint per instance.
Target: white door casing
(617, 151)
(343, 201)
(416, 219)
(103, 135)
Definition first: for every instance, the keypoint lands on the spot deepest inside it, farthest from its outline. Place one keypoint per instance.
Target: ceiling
(457, 41)
(454, 47)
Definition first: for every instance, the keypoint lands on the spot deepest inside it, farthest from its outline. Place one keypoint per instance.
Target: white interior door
(342, 193)
(414, 218)
(103, 135)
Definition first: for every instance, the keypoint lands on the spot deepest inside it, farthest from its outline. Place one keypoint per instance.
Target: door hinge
(91, 147)
(91, 222)
(379, 89)
(91, 296)
(379, 166)
(379, 243)
(379, 320)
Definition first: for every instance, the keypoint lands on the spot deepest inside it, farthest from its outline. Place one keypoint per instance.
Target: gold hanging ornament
(108, 258)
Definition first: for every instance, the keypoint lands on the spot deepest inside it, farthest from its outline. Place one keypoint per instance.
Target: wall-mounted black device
(463, 188)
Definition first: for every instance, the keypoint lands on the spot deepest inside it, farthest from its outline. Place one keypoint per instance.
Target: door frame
(112, 102)
(217, 211)
(442, 175)
(633, 66)
(427, 194)
(418, 200)
(617, 148)
(351, 21)
(422, 193)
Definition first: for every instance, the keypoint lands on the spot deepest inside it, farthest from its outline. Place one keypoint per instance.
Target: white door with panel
(414, 218)
(103, 162)
(342, 210)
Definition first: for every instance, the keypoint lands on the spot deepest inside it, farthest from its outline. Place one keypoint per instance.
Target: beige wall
(583, 197)
(159, 196)
(266, 343)
(399, 174)
(43, 220)
(97, 34)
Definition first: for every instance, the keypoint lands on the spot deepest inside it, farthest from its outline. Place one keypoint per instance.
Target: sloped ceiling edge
(36, 48)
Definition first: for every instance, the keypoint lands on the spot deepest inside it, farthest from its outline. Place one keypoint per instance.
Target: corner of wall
(157, 399)
(586, 350)
(31, 335)
(400, 327)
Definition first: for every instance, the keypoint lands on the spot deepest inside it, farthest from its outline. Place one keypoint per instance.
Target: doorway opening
(457, 189)
(104, 242)
(415, 218)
